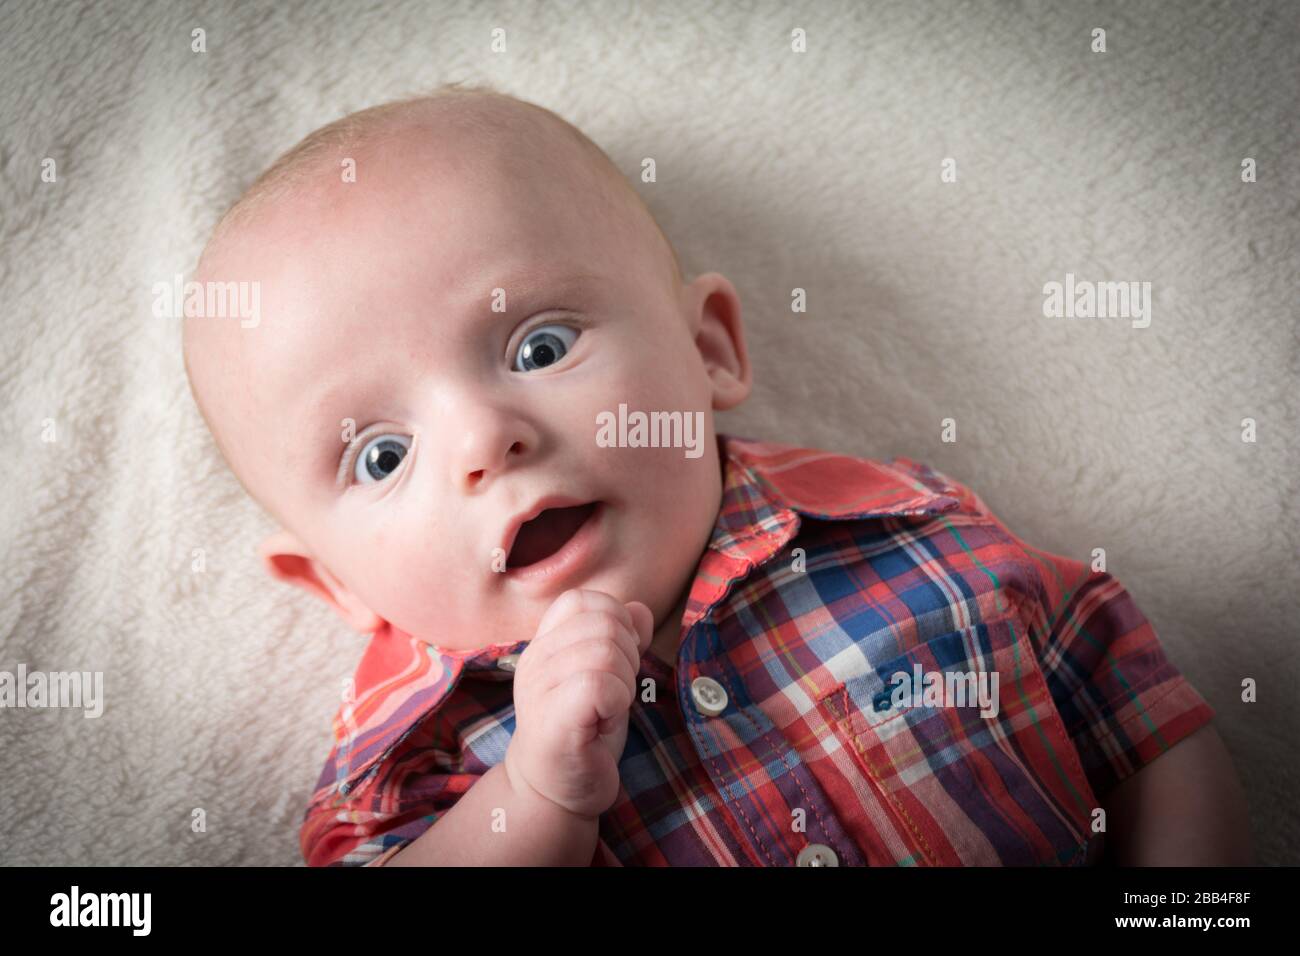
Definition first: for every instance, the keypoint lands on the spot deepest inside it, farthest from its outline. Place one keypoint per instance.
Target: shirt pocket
(970, 764)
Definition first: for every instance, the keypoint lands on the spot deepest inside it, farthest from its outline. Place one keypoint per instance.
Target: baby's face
(377, 304)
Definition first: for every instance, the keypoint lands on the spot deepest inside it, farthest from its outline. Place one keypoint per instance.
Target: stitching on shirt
(753, 535)
(1133, 695)
(876, 773)
(847, 708)
(648, 731)
(1019, 601)
(1056, 728)
(1102, 729)
(875, 776)
(1110, 726)
(793, 773)
(1073, 772)
(736, 804)
(693, 729)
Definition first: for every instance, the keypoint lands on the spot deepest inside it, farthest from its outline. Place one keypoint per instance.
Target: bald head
(476, 119)
(308, 216)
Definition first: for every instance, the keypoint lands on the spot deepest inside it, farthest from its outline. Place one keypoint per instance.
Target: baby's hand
(574, 685)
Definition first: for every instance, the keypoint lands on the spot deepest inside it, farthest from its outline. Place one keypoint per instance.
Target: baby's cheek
(408, 576)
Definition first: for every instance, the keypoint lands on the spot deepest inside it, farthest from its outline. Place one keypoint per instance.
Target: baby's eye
(544, 346)
(380, 458)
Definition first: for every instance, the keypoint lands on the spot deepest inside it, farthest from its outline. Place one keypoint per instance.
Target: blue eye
(380, 458)
(544, 346)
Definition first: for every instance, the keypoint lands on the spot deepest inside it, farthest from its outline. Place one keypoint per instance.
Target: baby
(478, 401)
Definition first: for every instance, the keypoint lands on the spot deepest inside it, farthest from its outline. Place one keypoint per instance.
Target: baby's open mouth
(551, 530)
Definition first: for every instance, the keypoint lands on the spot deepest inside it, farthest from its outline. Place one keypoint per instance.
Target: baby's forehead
(410, 192)
(331, 244)
(332, 298)
(455, 166)
(440, 151)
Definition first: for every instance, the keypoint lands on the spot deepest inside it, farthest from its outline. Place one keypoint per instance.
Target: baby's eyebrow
(524, 289)
(320, 435)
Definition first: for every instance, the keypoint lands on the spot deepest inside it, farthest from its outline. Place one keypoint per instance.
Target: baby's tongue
(546, 534)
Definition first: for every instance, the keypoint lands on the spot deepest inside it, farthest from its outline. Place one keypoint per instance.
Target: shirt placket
(760, 779)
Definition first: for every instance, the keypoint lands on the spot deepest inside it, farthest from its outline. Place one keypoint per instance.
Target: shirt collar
(767, 488)
(766, 481)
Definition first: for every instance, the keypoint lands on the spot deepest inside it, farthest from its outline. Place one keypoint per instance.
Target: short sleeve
(1122, 700)
(368, 824)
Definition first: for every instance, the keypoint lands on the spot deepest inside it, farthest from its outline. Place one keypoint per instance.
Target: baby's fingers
(588, 701)
(591, 655)
(644, 625)
(586, 626)
(576, 601)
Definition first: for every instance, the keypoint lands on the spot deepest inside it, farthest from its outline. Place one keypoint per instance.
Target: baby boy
(478, 402)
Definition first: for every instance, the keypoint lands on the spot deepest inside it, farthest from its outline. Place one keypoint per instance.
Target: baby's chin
(509, 617)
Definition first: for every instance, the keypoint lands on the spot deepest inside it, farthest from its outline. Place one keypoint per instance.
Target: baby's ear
(713, 312)
(287, 559)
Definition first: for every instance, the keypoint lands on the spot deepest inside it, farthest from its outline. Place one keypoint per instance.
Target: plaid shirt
(825, 577)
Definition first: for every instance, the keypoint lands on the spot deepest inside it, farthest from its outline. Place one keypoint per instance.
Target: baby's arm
(1185, 808)
(538, 832)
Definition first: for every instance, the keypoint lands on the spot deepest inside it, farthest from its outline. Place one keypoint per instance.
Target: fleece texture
(788, 161)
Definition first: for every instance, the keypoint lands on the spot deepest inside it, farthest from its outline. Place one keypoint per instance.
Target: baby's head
(453, 291)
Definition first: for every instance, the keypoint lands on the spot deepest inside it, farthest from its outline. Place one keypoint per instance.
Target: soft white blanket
(819, 170)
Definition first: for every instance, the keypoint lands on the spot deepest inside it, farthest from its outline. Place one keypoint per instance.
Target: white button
(709, 696)
(817, 854)
(507, 662)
